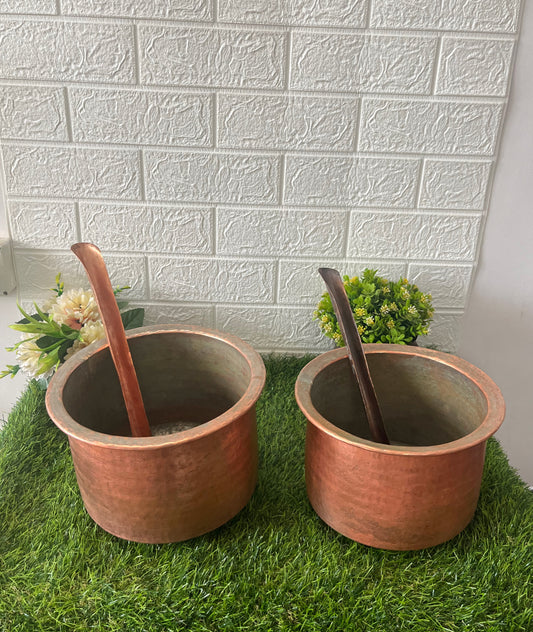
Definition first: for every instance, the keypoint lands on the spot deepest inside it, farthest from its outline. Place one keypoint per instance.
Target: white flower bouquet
(66, 323)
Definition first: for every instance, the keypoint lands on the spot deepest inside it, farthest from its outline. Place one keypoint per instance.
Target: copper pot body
(173, 487)
(422, 490)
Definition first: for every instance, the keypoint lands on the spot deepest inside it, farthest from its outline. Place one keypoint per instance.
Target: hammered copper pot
(177, 486)
(421, 490)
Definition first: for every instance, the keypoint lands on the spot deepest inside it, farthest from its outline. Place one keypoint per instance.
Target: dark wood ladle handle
(94, 264)
(356, 354)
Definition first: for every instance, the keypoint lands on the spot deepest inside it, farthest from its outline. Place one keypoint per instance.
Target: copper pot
(172, 487)
(438, 410)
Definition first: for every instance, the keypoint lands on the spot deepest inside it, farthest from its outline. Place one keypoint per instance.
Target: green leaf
(133, 318)
(62, 351)
(46, 341)
(12, 369)
(25, 321)
(31, 328)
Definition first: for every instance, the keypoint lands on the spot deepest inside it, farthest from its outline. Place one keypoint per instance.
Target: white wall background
(498, 332)
(219, 151)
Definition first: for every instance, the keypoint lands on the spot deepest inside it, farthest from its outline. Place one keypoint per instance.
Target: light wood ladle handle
(94, 264)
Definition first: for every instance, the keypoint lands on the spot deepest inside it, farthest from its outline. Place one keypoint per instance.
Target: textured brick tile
(362, 63)
(301, 284)
(268, 328)
(43, 7)
(473, 66)
(275, 232)
(64, 51)
(460, 15)
(43, 224)
(71, 172)
(344, 13)
(209, 57)
(217, 280)
(454, 185)
(166, 9)
(37, 272)
(146, 229)
(207, 177)
(132, 116)
(445, 331)
(429, 127)
(448, 285)
(165, 314)
(287, 122)
(414, 236)
(345, 181)
(32, 113)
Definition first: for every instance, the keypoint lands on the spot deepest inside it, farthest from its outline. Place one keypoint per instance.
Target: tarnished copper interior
(182, 378)
(423, 403)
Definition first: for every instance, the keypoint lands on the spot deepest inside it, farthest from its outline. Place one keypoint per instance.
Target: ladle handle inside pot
(94, 264)
(356, 354)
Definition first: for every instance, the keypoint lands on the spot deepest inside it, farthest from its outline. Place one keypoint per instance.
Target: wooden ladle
(94, 264)
(356, 355)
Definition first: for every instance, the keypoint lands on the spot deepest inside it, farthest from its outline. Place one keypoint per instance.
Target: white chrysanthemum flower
(75, 308)
(29, 358)
(412, 309)
(90, 332)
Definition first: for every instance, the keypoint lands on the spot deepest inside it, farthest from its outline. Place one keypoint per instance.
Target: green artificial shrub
(384, 311)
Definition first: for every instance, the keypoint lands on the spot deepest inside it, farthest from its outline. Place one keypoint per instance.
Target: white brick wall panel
(164, 314)
(43, 224)
(362, 63)
(43, 7)
(166, 9)
(420, 236)
(444, 331)
(454, 185)
(343, 13)
(208, 57)
(459, 15)
(32, 113)
(146, 229)
(336, 181)
(215, 280)
(474, 67)
(37, 272)
(429, 127)
(448, 285)
(266, 122)
(301, 284)
(280, 232)
(66, 51)
(273, 327)
(71, 172)
(132, 116)
(208, 177)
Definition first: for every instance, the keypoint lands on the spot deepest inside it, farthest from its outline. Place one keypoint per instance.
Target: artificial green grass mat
(276, 566)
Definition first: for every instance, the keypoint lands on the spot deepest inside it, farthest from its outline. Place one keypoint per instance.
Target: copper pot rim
(493, 396)
(67, 424)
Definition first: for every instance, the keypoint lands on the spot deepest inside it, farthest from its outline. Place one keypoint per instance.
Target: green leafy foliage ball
(384, 311)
